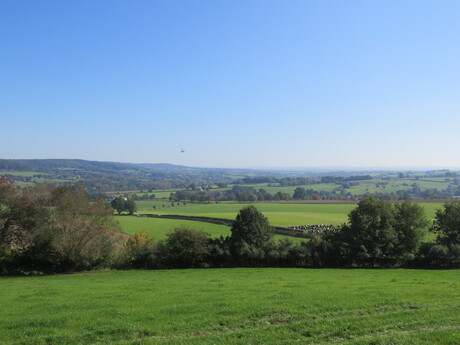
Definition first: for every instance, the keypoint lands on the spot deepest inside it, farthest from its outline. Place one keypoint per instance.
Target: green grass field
(233, 306)
(158, 228)
(393, 186)
(278, 214)
(362, 187)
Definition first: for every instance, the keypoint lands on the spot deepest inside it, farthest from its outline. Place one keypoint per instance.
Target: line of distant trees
(243, 193)
(60, 229)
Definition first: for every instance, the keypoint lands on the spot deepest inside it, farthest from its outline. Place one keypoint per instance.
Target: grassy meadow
(357, 187)
(158, 228)
(278, 215)
(233, 306)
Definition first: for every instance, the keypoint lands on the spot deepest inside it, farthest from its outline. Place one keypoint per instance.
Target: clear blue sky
(234, 83)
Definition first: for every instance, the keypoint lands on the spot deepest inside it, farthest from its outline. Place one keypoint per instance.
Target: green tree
(300, 194)
(251, 227)
(130, 206)
(447, 224)
(251, 237)
(382, 234)
(410, 224)
(370, 234)
(118, 204)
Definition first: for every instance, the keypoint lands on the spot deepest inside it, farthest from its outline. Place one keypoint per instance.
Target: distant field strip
(233, 306)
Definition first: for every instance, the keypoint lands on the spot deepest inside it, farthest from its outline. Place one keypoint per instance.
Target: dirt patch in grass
(278, 323)
(199, 334)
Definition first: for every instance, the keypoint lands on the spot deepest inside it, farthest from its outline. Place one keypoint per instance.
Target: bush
(185, 248)
(140, 252)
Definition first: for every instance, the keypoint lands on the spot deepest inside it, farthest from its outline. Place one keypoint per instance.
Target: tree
(447, 224)
(251, 235)
(382, 234)
(370, 234)
(130, 206)
(251, 226)
(81, 228)
(409, 223)
(118, 204)
(25, 239)
(300, 194)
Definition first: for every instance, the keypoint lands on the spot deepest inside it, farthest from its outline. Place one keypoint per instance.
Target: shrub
(140, 251)
(185, 247)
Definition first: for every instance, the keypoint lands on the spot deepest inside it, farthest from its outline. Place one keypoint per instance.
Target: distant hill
(47, 165)
(110, 176)
(164, 166)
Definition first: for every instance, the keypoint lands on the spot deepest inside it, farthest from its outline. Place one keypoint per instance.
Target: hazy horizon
(274, 168)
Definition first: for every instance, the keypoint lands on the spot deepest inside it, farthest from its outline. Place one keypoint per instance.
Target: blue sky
(234, 83)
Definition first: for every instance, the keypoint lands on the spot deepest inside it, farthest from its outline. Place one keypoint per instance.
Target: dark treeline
(243, 193)
(300, 181)
(59, 229)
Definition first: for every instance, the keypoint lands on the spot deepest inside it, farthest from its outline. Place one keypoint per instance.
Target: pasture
(158, 228)
(233, 306)
(357, 187)
(277, 213)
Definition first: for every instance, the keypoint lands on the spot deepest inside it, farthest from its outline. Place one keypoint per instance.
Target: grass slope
(233, 306)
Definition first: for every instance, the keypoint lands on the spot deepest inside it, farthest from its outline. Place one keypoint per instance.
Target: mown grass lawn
(233, 306)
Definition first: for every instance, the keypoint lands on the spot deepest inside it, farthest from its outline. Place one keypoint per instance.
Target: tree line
(378, 234)
(60, 229)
